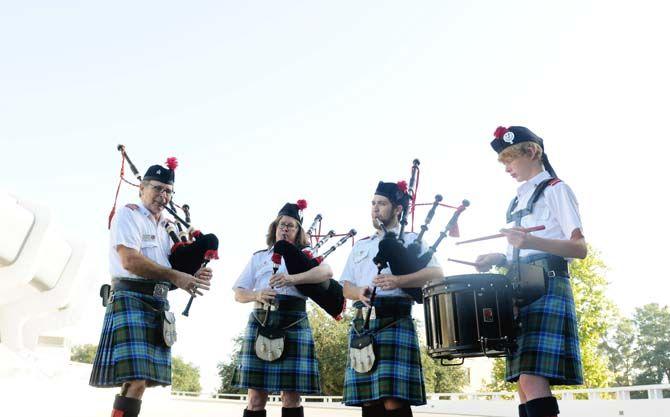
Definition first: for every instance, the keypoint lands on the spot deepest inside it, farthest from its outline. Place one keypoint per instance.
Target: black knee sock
(522, 410)
(126, 407)
(542, 407)
(292, 412)
(373, 410)
(404, 411)
(249, 413)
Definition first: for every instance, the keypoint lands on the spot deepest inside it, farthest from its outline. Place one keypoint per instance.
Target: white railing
(654, 392)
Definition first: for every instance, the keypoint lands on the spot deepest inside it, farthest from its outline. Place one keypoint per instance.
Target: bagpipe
(191, 249)
(328, 295)
(403, 260)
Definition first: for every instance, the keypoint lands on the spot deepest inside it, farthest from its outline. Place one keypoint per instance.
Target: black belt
(554, 265)
(385, 309)
(153, 288)
(287, 303)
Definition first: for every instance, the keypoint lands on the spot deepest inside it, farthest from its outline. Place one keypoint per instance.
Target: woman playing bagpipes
(278, 352)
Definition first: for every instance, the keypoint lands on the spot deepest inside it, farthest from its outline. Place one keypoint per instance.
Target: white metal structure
(41, 278)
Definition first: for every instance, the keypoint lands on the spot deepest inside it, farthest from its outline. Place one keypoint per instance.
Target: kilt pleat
(297, 370)
(397, 371)
(131, 343)
(548, 339)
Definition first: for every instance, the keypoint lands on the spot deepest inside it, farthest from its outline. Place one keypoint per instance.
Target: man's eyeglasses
(159, 189)
(287, 226)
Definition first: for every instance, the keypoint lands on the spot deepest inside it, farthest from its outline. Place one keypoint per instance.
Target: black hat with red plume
(504, 137)
(293, 210)
(162, 174)
(396, 192)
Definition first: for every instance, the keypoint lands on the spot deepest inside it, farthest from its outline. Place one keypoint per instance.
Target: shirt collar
(145, 212)
(532, 183)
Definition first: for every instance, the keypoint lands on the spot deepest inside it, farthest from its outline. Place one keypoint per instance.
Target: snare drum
(468, 316)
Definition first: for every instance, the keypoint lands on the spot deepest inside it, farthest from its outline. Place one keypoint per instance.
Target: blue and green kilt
(548, 340)
(297, 370)
(131, 344)
(397, 371)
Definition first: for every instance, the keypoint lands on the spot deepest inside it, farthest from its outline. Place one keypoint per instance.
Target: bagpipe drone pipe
(404, 260)
(191, 249)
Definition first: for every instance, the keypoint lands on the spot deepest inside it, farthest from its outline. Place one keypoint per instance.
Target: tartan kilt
(397, 371)
(131, 344)
(548, 340)
(297, 370)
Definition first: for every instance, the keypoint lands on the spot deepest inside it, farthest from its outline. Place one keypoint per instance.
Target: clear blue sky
(265, 102)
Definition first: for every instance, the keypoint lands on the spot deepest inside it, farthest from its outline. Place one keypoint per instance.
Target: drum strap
(516, 217)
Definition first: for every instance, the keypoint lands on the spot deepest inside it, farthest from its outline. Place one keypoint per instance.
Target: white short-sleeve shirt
(135, 227)
(256, 275)
(557, 209)
(360, 269)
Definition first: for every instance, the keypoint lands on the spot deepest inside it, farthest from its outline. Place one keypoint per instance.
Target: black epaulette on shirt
(259, 251)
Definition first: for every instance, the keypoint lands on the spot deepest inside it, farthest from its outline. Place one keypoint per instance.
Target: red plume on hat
(172, 163)
(402, 186)
(500, 131)
(302, 204)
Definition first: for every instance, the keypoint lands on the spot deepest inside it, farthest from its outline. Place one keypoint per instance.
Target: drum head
(455, 283)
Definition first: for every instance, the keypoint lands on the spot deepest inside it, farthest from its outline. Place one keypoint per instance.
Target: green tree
(439, 378)
(595, 313)
(653, 345)
(498, 382)
(185, 376)
(83, 353)
(331, 344)
(620, 347)
(227, 368)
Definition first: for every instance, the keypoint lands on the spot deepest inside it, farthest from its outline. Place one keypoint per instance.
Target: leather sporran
(269, 345)
(362, 353)
(529, 283)
(169, 328)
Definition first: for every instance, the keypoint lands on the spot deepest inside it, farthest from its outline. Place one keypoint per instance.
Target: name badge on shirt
(360, 255)
(148, 238)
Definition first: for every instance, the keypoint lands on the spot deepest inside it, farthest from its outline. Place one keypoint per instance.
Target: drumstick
(526, 230)
(475, 264)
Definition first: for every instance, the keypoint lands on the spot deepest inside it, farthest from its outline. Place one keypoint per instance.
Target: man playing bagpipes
(138, 329)
(278, 352)
(384, 374)
(548, 343)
